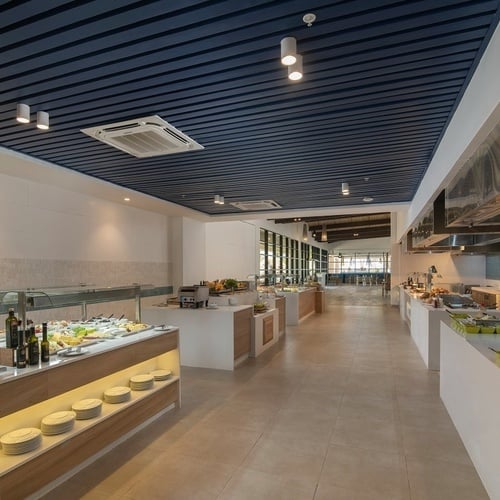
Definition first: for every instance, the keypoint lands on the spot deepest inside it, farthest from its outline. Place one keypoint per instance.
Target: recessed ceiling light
(367, 199)
(126, 199)
(355, 234)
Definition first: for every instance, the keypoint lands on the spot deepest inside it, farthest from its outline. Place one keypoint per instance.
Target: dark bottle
(45, 346)
(33, 348)
(11, 329)
(21, 351)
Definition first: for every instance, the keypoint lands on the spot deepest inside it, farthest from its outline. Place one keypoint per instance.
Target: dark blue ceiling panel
(382, 79)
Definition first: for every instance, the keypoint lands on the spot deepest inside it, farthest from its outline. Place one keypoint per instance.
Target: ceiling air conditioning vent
(256, 205)
(144, 137)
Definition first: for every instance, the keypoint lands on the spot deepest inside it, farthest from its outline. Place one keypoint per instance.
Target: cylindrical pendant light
(217, 199)
(23, 113)
(288, 50)
(324, 235)
(42, 120)
(221, 202)
(345, 188)
(295, 70)
(304, 232)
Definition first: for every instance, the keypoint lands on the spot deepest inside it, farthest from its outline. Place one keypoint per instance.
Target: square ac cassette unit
(144, 137)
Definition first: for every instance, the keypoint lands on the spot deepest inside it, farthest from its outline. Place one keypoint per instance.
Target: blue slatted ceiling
(381, 79)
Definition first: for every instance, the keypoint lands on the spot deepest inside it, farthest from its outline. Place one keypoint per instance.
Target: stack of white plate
(58, 422)
(87, 408)
(21, 441)
(161, 374)
(142, 382)
(117, 394)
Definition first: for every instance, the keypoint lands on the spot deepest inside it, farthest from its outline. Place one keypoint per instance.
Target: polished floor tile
(341, 408)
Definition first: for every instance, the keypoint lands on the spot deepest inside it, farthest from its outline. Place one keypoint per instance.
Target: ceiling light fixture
(309, 19)
(367, 199)
(304, 232)
(288, 50)
(345, 188)
(218, 199)
(324, 235)
(295, 70)
(42, 120)
(126, 199)
(23, 113)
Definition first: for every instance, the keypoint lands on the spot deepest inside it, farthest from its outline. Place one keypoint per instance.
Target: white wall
(44, 222)
(51, 236)
(193, 251)
(232, 250)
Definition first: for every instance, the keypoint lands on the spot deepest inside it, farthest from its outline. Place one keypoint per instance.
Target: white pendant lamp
(295, 70)
(345, 188)
(23, 113)
(42, 120)
(304, 232)
(288, 50)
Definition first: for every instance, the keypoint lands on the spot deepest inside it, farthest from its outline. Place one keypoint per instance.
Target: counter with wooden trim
(209, 338)
(30, 394)
(265, 331)
(299, 305)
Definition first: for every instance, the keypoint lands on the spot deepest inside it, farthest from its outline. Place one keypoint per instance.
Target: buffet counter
(424, 321)
(209, 338)
(299, 304)
(30, 394)
(469, 382)
(265, 331)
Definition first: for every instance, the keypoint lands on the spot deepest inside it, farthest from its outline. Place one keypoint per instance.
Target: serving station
(30, 394)
(424, 320)
(469, 382)
(213, 337)
(265, 331)
(300, 304)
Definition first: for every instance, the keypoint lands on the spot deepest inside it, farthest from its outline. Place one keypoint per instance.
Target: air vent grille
(144, 137)
(256, 205)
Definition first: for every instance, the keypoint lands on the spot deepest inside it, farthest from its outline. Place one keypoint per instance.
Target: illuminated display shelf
(49, 389)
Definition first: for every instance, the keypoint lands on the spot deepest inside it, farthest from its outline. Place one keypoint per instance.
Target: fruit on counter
(226, 285)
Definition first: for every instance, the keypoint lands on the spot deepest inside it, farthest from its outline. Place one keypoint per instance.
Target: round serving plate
(161, 374)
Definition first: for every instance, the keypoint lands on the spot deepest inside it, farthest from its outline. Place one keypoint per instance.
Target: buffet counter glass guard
(38, 299)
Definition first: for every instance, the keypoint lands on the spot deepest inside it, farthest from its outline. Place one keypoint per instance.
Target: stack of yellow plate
(87, 408)
(161, 374)
(142, 382)
(58, 423)
(21, 441)
(117, 394)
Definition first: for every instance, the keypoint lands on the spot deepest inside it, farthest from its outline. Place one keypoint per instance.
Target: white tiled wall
(53, 237)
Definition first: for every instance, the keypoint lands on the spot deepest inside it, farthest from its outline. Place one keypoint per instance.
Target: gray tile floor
(342, 408)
